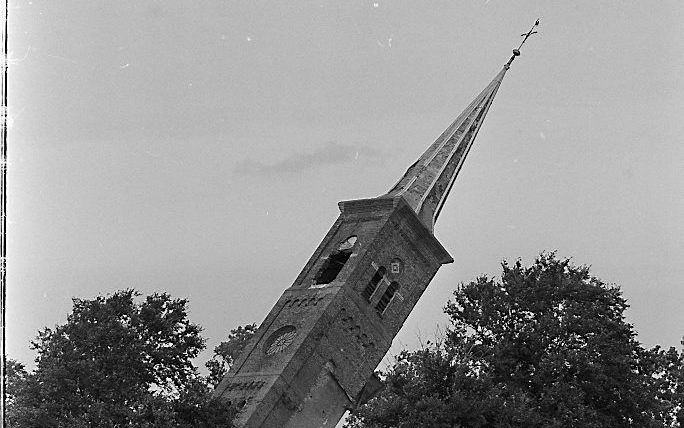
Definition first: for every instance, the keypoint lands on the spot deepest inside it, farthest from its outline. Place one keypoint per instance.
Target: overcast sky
(200, 148)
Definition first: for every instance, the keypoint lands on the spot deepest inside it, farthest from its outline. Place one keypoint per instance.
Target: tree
(227, 352)
(117, 363)
(16, 394)
(546, 345)
(667, 376)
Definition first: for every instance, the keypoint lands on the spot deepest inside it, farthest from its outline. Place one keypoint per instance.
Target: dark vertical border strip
(3, 212)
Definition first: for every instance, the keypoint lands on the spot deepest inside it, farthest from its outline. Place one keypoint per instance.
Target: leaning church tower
(314, 355)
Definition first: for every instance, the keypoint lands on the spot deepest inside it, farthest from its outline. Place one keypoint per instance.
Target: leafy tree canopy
(114, 363)
(227, 352)
(543, 346)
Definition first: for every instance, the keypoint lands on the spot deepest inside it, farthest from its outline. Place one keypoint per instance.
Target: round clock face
(281, 339)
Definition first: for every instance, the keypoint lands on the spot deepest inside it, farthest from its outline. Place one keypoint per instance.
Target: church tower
(314, 355)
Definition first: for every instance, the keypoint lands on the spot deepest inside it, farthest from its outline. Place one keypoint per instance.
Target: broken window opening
(367, 293)
(332, 267)
(386, 297)
(335, 262)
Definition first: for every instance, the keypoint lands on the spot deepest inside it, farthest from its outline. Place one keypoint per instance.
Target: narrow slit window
(335, 262)
(373, 283)
(386, 297)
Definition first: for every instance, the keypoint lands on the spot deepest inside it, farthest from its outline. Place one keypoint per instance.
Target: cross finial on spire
(516, 52)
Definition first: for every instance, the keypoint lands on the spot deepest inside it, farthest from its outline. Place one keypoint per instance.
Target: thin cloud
(330, 154)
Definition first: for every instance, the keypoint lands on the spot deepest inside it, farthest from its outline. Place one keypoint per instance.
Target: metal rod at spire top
(516, 52)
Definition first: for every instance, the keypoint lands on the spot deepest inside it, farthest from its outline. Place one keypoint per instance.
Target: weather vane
(516, 52)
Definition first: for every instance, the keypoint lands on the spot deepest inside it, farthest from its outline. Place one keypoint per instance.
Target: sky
(200, 148)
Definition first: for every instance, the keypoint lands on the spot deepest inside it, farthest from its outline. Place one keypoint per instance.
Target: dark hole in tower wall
(332, 267)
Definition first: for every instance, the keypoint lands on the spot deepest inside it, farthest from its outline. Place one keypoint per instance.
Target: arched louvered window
(373, 283)
(386, 297)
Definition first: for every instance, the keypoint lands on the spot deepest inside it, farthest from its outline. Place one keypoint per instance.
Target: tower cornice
(398, 204)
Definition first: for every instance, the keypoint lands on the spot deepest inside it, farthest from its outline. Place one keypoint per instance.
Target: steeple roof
(426, 184)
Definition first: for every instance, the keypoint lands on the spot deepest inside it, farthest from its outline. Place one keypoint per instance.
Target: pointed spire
(426, 184)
